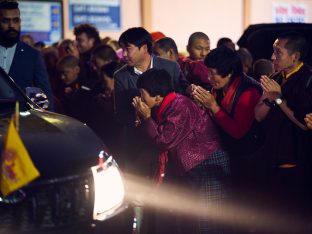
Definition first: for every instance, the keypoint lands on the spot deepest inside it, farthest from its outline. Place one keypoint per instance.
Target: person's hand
(41, 100)
(72, 49)
(68, 90)
(205, 98)
(270, 87)
(308, 120)
(190, 89)
(142, 109)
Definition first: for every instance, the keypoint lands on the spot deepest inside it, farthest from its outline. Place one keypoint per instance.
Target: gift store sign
(103, 14)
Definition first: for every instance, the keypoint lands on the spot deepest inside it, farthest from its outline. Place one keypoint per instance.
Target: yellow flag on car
(17, 168)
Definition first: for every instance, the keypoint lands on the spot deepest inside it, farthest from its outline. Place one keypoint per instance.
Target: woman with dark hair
(187, 137)
(231, 103)
(107, 75)
(104, 111)
(101, 55)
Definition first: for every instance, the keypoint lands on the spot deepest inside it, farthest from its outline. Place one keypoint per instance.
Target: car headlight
(109, 190)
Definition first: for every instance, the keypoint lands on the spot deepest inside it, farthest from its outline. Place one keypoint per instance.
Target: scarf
(229, 96)
(163, 156)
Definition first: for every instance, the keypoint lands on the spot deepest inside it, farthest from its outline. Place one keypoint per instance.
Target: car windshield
(9, 92)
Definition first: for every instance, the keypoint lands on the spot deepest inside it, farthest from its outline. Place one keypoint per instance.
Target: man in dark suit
(136, 44)
(22, 62)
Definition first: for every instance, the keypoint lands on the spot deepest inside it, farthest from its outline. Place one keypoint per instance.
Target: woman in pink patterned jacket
(186, 137)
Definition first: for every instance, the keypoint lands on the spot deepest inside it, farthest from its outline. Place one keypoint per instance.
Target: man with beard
(22, 62)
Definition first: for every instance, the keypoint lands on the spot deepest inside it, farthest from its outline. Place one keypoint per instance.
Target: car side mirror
(37, 96)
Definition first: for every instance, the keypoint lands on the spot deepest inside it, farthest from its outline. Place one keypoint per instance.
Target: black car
(259, 38)
(63, 150)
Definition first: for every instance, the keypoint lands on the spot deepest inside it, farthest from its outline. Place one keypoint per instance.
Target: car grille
(50, 204)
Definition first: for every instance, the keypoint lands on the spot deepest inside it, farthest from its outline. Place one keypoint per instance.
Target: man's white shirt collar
(138, 72)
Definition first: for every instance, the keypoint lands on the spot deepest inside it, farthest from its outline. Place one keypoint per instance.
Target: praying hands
(205, 98)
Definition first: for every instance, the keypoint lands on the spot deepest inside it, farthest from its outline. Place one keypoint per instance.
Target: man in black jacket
(21, 61)
(136, 44)
(286, 99)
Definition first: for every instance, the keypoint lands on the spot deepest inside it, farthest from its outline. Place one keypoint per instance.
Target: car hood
(57, 144)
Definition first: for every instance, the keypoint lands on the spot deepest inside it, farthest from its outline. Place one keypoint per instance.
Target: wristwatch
(278, 101)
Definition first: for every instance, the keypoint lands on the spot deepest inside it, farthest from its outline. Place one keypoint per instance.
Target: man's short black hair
(223, 41)
(39, 44)
(295, 43)
(225, 60)
(137, 36)
(89, 30)
(262, 67)
(166, 44)
(8, 5)
(105, 52)
(156, 82)
(197, 35)
(68, 61)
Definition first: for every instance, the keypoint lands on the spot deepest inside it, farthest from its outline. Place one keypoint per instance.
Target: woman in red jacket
(231, 103)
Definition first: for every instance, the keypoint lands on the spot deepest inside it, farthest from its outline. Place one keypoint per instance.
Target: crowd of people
(213, 121)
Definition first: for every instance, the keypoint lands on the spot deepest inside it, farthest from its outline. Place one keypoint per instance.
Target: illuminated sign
(103, 14)
(289, 13)
(42, 20)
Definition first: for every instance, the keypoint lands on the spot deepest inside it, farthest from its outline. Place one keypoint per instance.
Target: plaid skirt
(209, 181)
